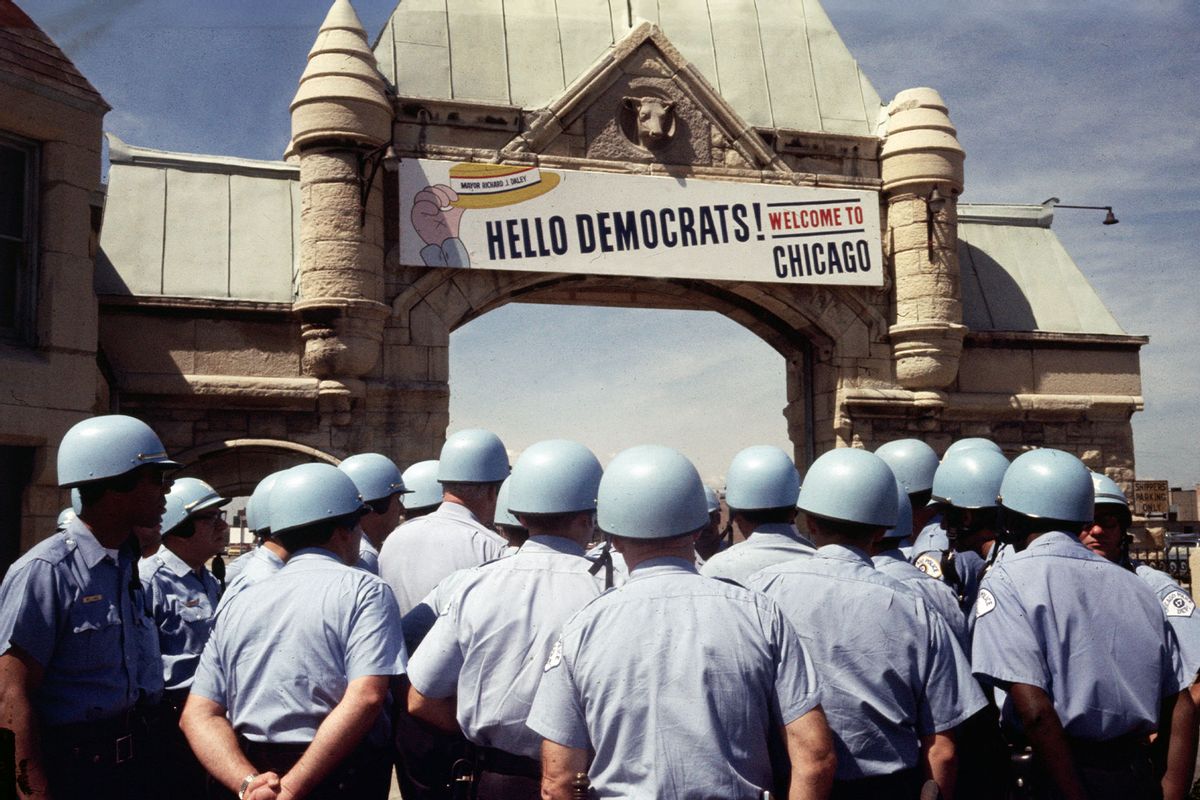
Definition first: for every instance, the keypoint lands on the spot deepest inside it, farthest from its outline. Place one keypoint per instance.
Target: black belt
(99, 743)
(489, 759)
(1110, 753)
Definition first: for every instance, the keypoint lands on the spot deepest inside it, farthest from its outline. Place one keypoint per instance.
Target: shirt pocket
(93, 639)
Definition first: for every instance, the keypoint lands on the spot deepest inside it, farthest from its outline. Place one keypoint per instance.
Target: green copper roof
(780, 64)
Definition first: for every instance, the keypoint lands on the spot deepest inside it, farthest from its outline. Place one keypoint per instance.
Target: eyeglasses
(211, 516)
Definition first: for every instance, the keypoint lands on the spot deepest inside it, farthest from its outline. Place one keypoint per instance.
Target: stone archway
(235, 466)
(829, 337)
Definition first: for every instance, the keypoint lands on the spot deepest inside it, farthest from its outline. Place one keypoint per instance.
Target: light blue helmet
(970, 478)
(503, 515)
(473, 456)
(1048, 484)
(311, 493)
(714, 502)
(552, 477)
(108, 446)
(651, 492)
(421, 481)
(913, 463)
(851, 485)
(65, 516)
(1107, 492)
(376, 476)
(187, 496)
(258, 507)
(971, 443)
(903, 526)
(761, 477)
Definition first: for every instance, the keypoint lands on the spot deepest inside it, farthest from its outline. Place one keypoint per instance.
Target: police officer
(268, 556)
(382, 487)
(673, 685)
(183, 596)
(760, 490)
(458, 534)
(1081, 647)
(80, 668)
(932, 551)
(893, 705)
(491, 643)
(424, 491)
(914, 463)
(965, 489)
(889, 559)
(1108, 536)
(506, 524)
(303, 687)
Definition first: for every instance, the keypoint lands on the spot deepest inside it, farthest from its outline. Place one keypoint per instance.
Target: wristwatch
(246, 781)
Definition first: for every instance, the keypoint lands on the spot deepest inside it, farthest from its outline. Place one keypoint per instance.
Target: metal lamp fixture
(934, 204)
(1109, 218)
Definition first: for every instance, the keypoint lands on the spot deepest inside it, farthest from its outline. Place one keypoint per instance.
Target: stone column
(922, 153)
(341, 123)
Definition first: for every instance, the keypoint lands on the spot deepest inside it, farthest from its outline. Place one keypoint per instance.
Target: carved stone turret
(921, 154)
(341, 119)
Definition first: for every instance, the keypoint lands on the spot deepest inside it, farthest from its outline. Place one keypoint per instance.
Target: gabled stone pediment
(642, 101)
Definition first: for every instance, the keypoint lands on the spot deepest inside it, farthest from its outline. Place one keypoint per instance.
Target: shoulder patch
(1178, 604)
(930, 565)
(984, 603)
(555, 657)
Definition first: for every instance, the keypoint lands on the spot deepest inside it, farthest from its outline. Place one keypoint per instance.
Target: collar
(545, 543)
(663, 565)
(1062, 543)
(457, 511)
(313, 555)
(841, 552)
(366, 544)
(173, 562)
(781, 529)
(268, 555)
(81, 536)
(894, 554)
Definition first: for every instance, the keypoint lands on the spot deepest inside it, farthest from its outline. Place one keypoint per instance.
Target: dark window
(17, 237)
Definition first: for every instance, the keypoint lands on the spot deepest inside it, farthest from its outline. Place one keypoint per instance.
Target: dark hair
(184, 530)
(842, 528)
(315, 534)
(553, 522)
(666, 540)
(1015, 526)
(91, 492)
(766, 516)
(920, 499)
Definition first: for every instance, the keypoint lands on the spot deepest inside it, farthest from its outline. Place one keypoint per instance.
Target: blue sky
(1093, 102)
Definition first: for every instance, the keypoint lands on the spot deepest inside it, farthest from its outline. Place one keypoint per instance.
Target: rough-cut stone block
(983, 369)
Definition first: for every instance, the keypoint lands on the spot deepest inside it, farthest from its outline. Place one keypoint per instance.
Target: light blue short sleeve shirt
(1084, 630)
(1180, 610)
(768, 544)
(279, 674)
(84, 617)
(184, 602)
(936, 594)
(492, 641)
(261, 565)
(421, 552)
(891, 669)
(674, 681)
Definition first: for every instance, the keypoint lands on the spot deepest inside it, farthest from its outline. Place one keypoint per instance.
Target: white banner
(518, 217)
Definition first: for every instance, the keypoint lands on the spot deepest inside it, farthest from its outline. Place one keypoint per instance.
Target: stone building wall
(48, 374)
